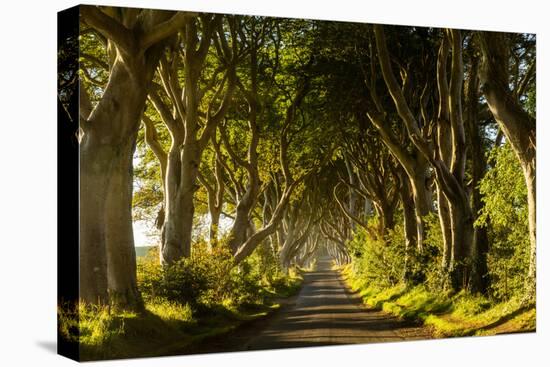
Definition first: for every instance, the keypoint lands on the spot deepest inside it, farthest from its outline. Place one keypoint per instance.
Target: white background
(28, 183)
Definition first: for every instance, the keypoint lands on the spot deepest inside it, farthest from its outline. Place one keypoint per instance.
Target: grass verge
(447, 315)
(164, 328)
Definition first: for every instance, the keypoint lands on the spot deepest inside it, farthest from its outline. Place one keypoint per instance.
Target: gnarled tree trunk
(121, 255)
(106, 186)
(480, 248)
(409, 221)
(518, 126)
(450, 178)
(106, 238)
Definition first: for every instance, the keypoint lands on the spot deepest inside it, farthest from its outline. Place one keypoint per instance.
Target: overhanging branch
(107, 26)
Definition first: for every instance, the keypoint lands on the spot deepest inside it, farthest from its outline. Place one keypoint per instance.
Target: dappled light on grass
(460, 314)
(199, 298)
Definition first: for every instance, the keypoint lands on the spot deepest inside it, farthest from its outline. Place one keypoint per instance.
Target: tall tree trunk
(187, 154)
(409, 223)
(245, 206)
(386, 213)
(172, 207)
(462, 219)
(135, 42)
(95, 162)
(480, 247)
(353, 196)
(284, 258)
(518, 126)
(416, 168)
(152, 141)
(530, 179)
(450, 179)
(445, 224)
(107, 243)
(462, 233)
(121, 255)
(215, 199)
(421, 203)
(445, 154)
(215, 214)
(189, 167)
(181, 177)
(240, 228)
(480, 280)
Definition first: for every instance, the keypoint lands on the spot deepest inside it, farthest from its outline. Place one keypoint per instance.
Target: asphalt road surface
(325, 312)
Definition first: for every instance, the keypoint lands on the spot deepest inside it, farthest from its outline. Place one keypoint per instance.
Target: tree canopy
(406, 151)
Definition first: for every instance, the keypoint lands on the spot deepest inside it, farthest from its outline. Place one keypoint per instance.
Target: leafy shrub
(204, 277)
(505, 214)
(378, 261)
(265, 262)
(435, 278)
(150, 275)
(386, 262)
(209, 277)
(213, 269)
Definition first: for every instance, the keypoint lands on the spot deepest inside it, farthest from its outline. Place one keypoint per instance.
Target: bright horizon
(144, 238)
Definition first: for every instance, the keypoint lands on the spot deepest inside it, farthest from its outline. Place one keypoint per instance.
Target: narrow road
(324, 312)
(327, 313)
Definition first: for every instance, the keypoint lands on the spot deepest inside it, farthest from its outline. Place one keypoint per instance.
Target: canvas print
(239, 182)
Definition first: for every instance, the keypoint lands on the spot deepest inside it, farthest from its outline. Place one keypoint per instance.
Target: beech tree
(517, 124)
(243, 249)
(374, 170)
(414, 163)
(215, 188)
(449, 173)
(246, 202)
(134, 40)
(191, 116)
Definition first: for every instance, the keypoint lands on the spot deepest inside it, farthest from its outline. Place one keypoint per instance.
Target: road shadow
(324, 313)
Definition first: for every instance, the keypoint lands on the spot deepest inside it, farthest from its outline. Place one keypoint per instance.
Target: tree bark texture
(518, 126)
(106, 238)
